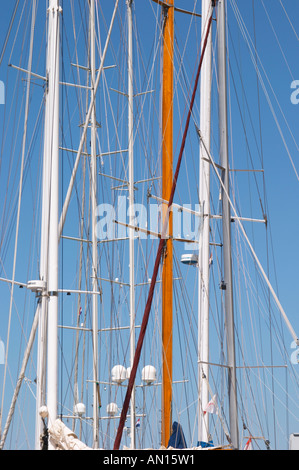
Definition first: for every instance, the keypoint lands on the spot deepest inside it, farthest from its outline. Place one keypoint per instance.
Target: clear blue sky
(275, 31)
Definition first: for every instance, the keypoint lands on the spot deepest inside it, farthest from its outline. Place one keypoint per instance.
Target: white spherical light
(79, 409)
(119, 374)
(43, 411)
(149, 374)
(112, 409)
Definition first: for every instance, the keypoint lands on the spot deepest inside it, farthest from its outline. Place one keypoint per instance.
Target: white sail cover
(64, 438)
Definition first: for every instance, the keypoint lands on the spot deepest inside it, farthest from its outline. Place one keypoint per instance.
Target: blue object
(205, 444)
(177, 438)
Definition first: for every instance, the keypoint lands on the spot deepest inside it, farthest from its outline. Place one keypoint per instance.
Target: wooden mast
(161, 246)
(167, 177)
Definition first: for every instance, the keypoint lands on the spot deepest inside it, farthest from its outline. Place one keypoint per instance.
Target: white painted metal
(131, 212)
(204, 250)
(226, 225)
(93, 165)
(52, 150)
(86, 125)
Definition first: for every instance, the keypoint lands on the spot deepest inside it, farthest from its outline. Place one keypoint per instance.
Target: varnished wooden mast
(161, 246)
(167, 177)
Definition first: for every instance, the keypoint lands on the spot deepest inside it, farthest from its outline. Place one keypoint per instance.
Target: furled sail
(64, 438)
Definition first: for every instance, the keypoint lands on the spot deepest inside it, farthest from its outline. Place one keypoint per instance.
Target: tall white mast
(131, 212)
(48, 282)
(52, 157)
(226, 225)
(43, 301)
(93, 164)
(204, 253)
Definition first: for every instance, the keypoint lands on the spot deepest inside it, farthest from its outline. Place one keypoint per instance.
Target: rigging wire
(119, 300)
(252, 54)
(238, 61)
(268, 228)
(9, 30)
(19, 195)
(267, 239)
(157, 263)
(292, 26)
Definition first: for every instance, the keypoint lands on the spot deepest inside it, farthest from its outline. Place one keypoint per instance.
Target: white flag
(211, 406)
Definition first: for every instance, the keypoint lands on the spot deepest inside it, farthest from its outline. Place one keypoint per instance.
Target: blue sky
(277, 49)
(276, 33)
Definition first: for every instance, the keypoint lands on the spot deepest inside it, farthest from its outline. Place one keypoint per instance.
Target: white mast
(93, 165)
(131, 213)
(204, 251)
(47, 286)
(52, 158)
(226, 225)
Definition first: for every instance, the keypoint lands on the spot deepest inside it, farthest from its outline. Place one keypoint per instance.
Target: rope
(157, 262)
